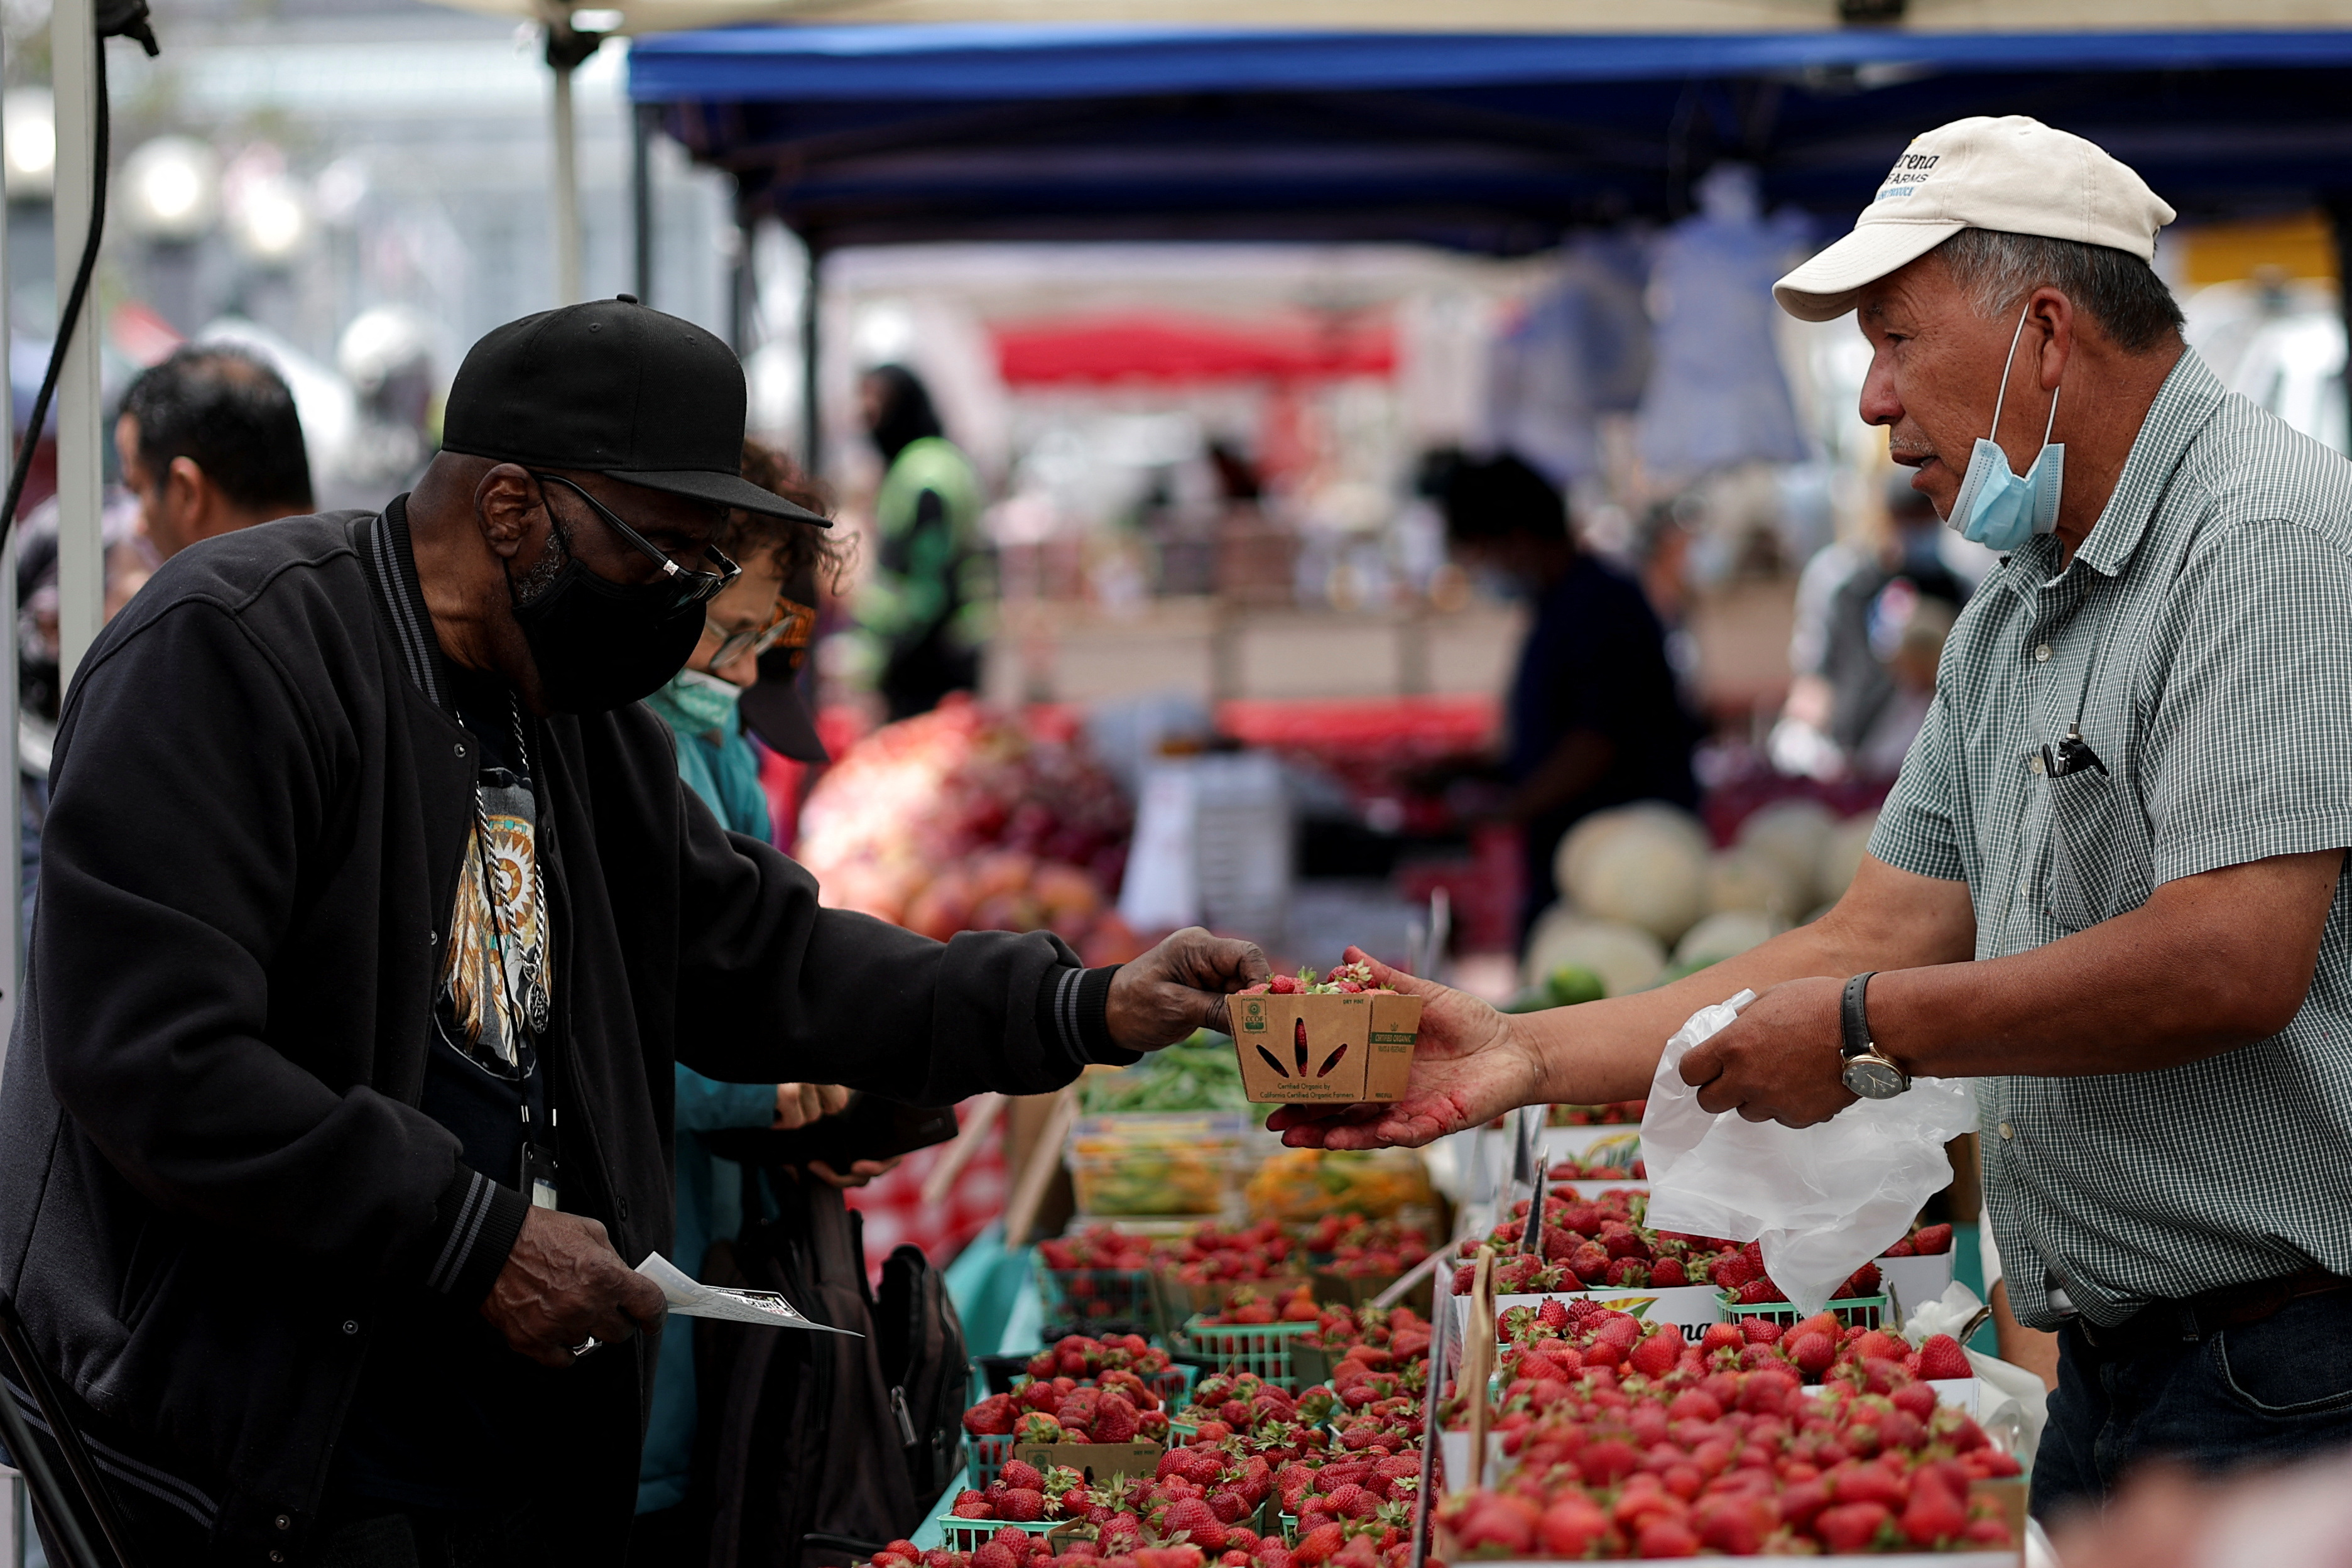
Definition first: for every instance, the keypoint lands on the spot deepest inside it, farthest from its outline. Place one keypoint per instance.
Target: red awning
(1190, 349)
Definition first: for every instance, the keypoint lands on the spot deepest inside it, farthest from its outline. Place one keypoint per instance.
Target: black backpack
(808, 1453)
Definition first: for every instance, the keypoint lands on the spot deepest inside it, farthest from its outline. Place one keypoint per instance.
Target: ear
(2052, 314)
(188, 495)
(509, 510)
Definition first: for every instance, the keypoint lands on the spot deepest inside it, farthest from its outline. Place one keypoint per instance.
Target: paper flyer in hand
(691, 1299)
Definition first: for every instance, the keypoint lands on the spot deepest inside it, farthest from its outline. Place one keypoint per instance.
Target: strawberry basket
(1261, 1348)
(971, 1534)
(990, 1453)
(1852, 1311)
(1086, 1296)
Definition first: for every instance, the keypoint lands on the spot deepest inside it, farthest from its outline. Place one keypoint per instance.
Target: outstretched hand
(1469, 1066)
(1179, 986)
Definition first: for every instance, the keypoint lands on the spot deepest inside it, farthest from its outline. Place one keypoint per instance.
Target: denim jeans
(2275, 1390)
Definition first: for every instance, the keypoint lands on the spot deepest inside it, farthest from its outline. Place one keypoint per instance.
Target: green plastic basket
(1084, 1296)
(1864, 1310)
(971, 1534)
(1261, 1348)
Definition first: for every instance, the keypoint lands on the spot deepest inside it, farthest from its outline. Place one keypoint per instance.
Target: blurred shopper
(1854, 602)
(920, 612)
(1594, 717)
(373, 920)
(210, 443)
(718, 761)
(2109, 885)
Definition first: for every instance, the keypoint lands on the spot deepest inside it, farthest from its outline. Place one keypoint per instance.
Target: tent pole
(566, 185)
(81, 555)
(641, 196)
(811, 413)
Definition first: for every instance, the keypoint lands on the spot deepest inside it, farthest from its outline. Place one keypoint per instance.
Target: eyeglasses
(788, 624)
(691, 587)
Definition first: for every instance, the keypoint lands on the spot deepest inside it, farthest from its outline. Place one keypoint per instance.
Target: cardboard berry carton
(1338, 1041)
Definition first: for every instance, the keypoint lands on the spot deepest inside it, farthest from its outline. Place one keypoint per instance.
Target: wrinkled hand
(798, 1104)
(1179, 986)
(860, 1173)
(1779, 1060)
(1470, 1065)
(563, 1285)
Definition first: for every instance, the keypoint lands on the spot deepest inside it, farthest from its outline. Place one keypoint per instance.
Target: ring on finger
(585, 1346)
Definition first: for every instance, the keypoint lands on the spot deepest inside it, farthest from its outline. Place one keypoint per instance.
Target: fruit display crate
(971, 1534)
(989, 1455)
(1852, 1311)
(1261, 1348)
(1083, 1296)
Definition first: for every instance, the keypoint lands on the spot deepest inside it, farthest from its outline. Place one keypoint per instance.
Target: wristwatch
(1866, 1072)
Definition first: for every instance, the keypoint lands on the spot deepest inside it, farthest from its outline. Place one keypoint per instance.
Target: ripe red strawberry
(1316, 1546)
(1497, 1520)
(1552, 1313)
(1864, 1280)
(1877, 1344)
(1627, 1273)
(1198, 1523)
(1917, 1398)
(1757, 1291)
(1902, 1249)
(1665, 1537)
(971, 1504)
(1228, 1505)
(1722, 1336)
(1116, 1421)
(1940, 1357)
(995, 1554)
(1666, 1274)
(1759, 1331)
(1847, 1530)
(1655, 1356)
(1571, 1525)
(1022, 1505)
(1812, 1354)
(1351, 1502)
(1934, 1514)
(1932, 1240)
(1017, 1474)
(992, 1417)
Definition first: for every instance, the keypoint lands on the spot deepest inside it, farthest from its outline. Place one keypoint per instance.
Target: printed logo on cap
(1911, 171)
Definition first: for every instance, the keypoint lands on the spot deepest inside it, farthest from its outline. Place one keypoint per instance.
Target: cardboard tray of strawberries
(1342, 1039)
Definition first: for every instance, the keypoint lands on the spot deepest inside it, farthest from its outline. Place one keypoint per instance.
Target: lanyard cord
(534, 968)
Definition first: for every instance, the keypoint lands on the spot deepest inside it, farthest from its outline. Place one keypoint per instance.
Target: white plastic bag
(1824, 1199)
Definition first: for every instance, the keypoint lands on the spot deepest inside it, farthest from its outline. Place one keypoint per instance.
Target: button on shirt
(2203, 639)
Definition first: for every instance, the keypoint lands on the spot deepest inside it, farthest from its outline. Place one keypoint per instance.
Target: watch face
(1874, 1078)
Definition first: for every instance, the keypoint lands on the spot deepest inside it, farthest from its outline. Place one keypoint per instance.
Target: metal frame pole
(565, 194)
(641, 196)
(812, 409)
(81, 553)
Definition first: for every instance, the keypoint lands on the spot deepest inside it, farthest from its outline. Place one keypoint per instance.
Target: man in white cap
(2129, 807)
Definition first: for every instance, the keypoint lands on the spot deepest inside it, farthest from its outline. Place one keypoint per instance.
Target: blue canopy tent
(1480, 142)
(1488, 142)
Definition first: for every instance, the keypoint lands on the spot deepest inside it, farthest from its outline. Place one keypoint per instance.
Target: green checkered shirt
(2202, 635)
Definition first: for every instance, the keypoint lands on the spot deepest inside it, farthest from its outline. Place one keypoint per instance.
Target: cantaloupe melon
(1725, 936)
(1842, 853)
(1790, 834)
(1626, 958)
(1645, 865)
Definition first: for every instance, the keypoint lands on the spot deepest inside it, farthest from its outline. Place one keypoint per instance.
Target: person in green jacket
(921, 613)
(701, 705)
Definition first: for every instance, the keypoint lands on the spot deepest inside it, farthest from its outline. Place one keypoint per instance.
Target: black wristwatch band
(1854, 1021)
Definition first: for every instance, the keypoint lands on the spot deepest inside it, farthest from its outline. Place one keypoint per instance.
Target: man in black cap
(322, 1173)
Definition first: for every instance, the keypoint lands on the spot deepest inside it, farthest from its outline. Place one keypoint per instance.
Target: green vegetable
(1197, 1074)
(1563, 987)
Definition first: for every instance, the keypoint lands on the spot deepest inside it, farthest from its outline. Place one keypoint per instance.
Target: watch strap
(1853, 1019)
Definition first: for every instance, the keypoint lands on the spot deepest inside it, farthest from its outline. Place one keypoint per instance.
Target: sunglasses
(788, 624)
(689, 587)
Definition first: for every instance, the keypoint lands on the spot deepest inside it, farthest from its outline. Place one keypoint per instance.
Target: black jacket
(215, 1190)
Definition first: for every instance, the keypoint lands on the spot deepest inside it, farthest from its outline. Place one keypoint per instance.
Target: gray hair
(2114, 288)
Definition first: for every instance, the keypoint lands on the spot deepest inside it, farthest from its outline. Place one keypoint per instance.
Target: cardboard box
(1339, 1048)
(1095, 1461)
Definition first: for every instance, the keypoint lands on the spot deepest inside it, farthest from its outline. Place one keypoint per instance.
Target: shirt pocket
(2101, 863)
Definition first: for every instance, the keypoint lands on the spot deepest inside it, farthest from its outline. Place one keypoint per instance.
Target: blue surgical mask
(1997, 507)
(693, 703)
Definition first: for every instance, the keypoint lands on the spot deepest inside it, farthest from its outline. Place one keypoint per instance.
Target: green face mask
(694, 704)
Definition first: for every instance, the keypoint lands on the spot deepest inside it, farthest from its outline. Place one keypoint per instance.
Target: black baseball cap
(612, 387)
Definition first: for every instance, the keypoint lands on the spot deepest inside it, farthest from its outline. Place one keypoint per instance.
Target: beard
(535, 583)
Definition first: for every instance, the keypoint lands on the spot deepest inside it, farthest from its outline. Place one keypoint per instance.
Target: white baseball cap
(2013, 173)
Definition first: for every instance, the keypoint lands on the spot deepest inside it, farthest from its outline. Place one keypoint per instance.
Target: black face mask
(600, 645)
